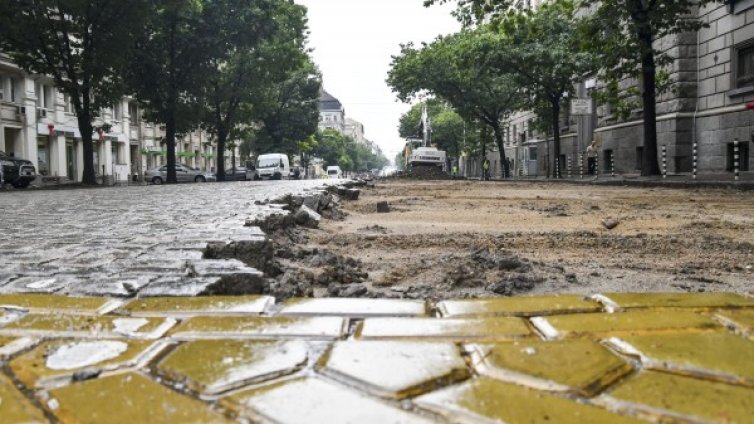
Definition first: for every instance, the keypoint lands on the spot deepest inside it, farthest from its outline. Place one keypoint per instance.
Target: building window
(133, 112)
(116, 112)
(12, 85)
(740, 6)
(2, 88)
(745, 66)
(67, 105)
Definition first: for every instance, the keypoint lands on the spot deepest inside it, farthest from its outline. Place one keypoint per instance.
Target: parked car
(183, 174)
(239, 175)
(17, 172)
(273, 166)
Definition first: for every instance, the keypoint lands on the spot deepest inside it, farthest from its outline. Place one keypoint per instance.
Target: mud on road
(458, 239)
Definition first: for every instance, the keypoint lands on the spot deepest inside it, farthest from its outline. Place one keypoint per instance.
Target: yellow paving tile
(471, 329)
(712, 355)
(127, 399)
(251, 327)
(14, 407)
(359, 308)
(680, 300)
(579, 366)
(395, 369)
(55, 362)
(307, 401)
(631, 322)
(706, 400)
(48, 302)
(518, 306)
(62, 325)
(488, 400)
(214, 366)
(12, 345)
(186, 306)
(741, 320)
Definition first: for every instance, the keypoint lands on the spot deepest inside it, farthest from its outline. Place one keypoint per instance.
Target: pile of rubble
(423, 173)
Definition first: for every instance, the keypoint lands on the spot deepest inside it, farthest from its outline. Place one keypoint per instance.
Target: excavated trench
(445, 240)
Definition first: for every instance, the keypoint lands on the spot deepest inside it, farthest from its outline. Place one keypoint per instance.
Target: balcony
(11, 113)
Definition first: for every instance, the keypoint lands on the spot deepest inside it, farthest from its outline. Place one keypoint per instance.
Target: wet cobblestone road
(131, 240)
(76, 346)
(610, 358)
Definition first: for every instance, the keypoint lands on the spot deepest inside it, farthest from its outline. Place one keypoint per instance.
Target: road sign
(581, 106)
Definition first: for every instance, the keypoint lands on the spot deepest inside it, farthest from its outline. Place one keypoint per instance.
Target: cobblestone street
(123, 241)
(614, 358)
(130, 305)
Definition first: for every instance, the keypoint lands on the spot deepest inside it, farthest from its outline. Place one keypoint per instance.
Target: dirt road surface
(446, 239)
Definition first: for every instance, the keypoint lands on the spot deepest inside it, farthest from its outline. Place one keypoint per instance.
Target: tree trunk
(649, 164)
(170, 142)
(501, 148)
(221, 139)
(86, 130)
(557, 170)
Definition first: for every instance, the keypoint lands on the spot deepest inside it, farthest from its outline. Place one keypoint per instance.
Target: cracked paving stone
(15, 408)
(62, 325)
(188, 306)
(624, 323)
(318, 401)
(395, 370)
(209, 327)
(109, 286)
(679, 300)
(215, 366)
(663, 394)
(719, 356)
(41, 284)
(583, 367)
(487, 400)
(480, 329)
(742, 321)
(53, 303)
(230, 284)
(357, 308)
(127, 399)
(56, 362)
(518, 306)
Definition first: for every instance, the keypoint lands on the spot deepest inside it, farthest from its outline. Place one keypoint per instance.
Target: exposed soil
(460, 239)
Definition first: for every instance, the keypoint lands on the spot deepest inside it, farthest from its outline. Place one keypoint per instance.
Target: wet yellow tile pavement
(603, 358)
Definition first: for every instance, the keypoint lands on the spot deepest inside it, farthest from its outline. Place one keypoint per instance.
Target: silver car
(183, 173)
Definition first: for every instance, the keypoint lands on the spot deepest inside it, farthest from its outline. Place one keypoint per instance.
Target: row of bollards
(736, 160)
(664, 163)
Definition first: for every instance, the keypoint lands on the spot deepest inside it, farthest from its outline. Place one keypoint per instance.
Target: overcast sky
(353, 41)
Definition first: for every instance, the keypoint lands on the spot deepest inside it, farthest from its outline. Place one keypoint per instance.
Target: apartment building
(37, 122)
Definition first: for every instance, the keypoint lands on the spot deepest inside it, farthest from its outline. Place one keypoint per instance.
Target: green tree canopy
(458, 69)
(288, 111)
(247, 60)
(542, 47)
(171, 59)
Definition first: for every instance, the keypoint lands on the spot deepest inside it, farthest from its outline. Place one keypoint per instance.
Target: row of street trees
(507, 60)
(338, 149)
(235, 68)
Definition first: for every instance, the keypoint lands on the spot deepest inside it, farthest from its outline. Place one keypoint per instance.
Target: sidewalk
(726, 180)
(559, 359)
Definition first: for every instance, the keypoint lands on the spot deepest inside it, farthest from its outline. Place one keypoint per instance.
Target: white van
(272, 166)
(334, 172)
